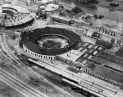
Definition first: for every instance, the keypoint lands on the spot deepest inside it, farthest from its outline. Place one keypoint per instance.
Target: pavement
(7, 91)
(19, 85)
(17, 78)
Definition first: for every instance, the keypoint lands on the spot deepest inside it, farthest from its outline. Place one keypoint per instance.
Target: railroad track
(20, 86)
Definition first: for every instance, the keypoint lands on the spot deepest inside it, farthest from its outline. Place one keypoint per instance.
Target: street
(17, 75)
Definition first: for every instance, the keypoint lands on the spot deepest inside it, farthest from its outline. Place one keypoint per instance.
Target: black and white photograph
(61, 48)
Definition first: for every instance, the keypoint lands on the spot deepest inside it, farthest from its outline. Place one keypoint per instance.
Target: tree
(88, 1)
(109, 0)
(77, 10)
(114, 4)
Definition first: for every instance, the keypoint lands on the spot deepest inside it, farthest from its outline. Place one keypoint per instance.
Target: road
(19, 85)
(7, 91)
(11, 80)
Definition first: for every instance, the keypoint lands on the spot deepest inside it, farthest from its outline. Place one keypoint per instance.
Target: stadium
(15, 17)
(48, 42)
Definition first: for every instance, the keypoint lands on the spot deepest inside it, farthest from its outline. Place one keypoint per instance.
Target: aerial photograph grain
(61, 48)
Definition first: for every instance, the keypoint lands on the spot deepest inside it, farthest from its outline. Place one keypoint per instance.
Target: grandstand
(30, 40)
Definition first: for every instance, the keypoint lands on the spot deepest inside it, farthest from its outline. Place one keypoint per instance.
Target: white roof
(18, 8)
(51, 7)
(45, 1)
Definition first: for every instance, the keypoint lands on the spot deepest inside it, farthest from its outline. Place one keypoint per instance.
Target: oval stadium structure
(15, 16)
(48, 42)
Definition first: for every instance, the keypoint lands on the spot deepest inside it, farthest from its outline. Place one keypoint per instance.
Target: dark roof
(29, 38)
